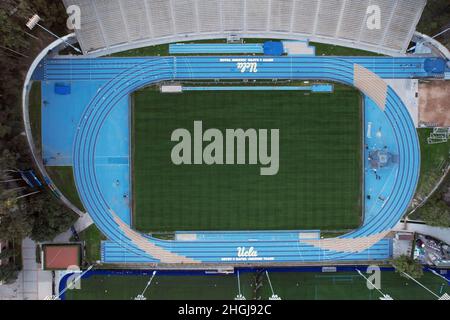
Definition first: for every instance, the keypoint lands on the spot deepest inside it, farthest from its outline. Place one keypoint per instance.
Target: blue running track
(122, 76)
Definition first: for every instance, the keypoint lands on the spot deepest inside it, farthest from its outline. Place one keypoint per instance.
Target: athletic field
(318, 184)
(287, 285)
(162, 288)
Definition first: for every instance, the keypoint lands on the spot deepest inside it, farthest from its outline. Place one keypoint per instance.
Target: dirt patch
(434, 103)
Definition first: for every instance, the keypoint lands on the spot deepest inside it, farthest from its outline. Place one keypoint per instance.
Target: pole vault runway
(123, 76)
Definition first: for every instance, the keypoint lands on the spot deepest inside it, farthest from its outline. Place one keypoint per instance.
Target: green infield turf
(62, 176)
(214, 287)
(287, 285)
(350, 286)
(318, 184)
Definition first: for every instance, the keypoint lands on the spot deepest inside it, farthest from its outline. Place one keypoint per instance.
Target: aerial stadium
(218, 133)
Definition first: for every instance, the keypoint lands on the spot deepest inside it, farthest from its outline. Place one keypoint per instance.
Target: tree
(53, 13)
(40, 216)
(437, 214)
(435, 18)
(50, 218)
(408, 265)
(8, 273)
(16, 224)
(11, 33)
(7, 253)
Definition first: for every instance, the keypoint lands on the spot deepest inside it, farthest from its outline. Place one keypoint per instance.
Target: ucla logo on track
(243, 252)
(247, 66)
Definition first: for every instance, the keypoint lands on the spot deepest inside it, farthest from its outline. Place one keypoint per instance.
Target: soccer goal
(439, 135)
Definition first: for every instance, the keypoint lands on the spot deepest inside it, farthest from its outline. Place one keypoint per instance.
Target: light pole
(34, 21)
(67, 285)
(274, 296)
(442, 32)
(436, 35)
(239, 296)
(141, 296)
(443, 297)
(383, 295)
(439, 275)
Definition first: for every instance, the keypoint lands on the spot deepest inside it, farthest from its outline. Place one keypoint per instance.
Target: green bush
(408, 265)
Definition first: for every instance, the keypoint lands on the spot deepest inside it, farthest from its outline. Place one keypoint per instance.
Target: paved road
(82, 223)
(32, 282)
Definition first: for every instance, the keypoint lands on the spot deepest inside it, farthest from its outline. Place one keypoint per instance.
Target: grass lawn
(159, 50)
(318, 184)
(287, 285)
(349, 286)
(332, 50)
(321, 49)
(434, 157)
(167, 287)
(92, 237)
(63, 178)
(34, 110)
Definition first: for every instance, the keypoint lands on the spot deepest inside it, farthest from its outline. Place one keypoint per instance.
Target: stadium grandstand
(110, 26)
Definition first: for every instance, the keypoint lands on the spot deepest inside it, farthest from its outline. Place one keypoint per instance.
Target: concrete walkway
(32, 283)
(36, 283)
(436, 232)
(407, 90)
(82, 223)
(12, 291)
(30, 270)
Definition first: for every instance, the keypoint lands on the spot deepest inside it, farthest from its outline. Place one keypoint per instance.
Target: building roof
(61, 256)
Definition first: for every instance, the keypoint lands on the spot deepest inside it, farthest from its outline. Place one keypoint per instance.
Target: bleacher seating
(257, 15)
(110, 14)
(109, 26)
(209, 19)
(185, 16)
(353, 13)
(328, 17)
(280, 15)
(161, 17)
(135, 16)
(233, 15)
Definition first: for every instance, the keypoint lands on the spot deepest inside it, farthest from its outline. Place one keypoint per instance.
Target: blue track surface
(122, 76)
(313, 88)
(215, 48)
(378, 134)
(86, 69)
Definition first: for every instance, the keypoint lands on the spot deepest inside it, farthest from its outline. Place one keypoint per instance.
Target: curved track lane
(136, 75)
